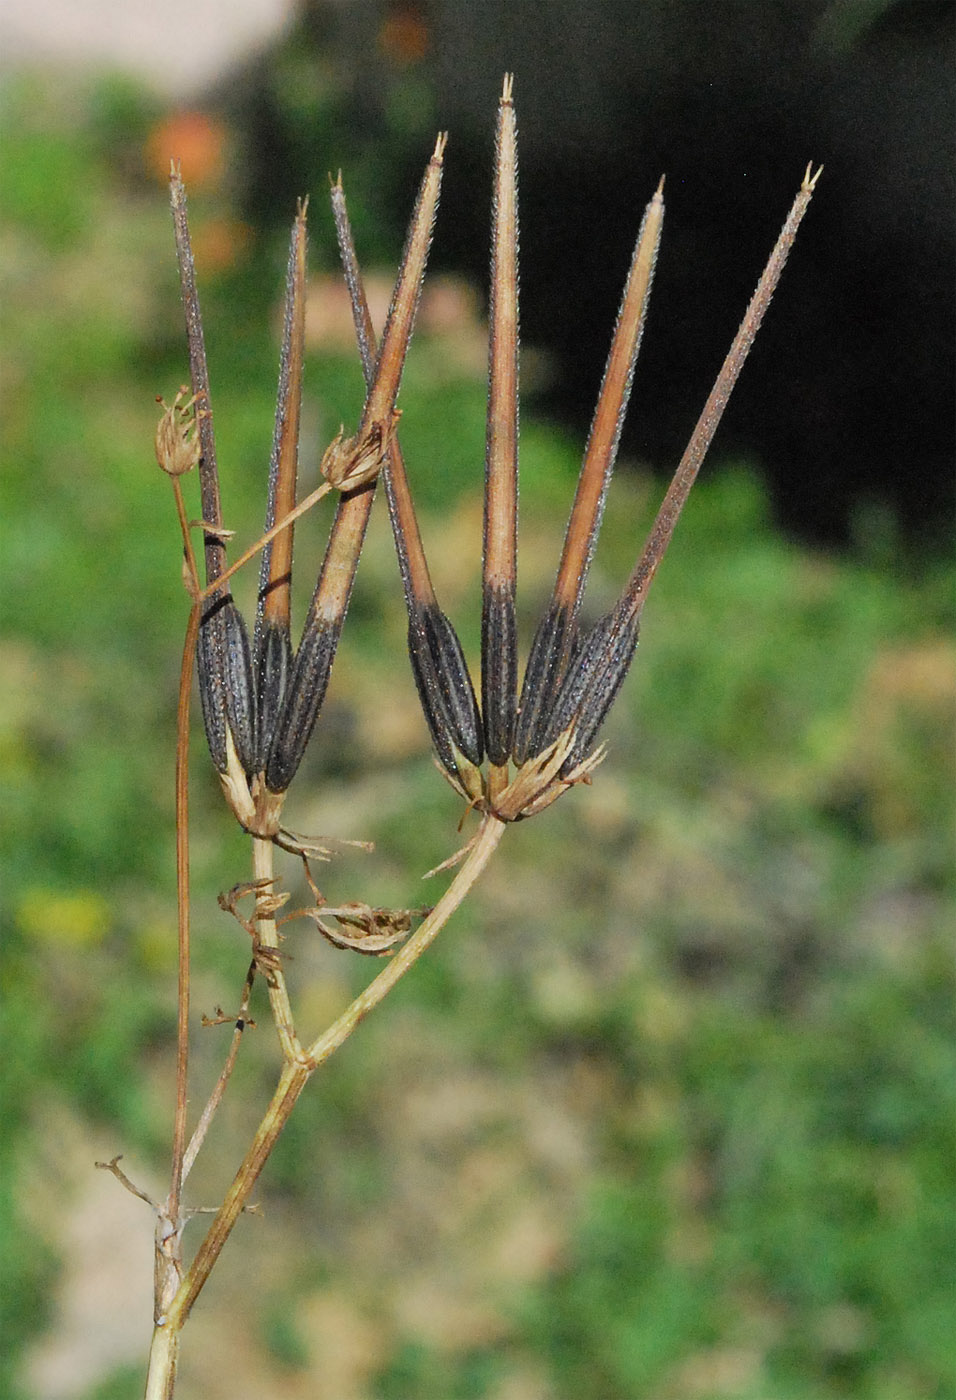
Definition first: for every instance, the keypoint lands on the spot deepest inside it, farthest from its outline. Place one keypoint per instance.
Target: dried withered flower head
(355, 461)
(178, 447)
(542, 742)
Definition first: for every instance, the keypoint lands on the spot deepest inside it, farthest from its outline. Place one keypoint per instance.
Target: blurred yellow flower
(79, 919)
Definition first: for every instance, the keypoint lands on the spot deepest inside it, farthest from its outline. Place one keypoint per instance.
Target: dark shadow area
(848, 401)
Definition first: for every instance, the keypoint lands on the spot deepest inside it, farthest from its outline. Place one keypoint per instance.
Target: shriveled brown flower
(350, 462)
(178, 447)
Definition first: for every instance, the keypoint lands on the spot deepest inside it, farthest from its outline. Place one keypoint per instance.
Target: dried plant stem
(489, 834)
(215, 1098)
(267, 949)
(293, 1079)
(168, 1261)
(182, 900)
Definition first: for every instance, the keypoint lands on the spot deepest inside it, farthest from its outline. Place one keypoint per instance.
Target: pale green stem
(163, 1356)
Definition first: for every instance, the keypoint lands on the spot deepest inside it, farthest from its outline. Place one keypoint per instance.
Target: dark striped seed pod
(309, 677)
(552, 643)
(438, 663)
(274, 663)
(444, 686)
(499, 672)
(226, 684)
(272, 641)
(307, 683)
(592, 682)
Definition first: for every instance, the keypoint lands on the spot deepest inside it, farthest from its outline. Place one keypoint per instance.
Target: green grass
(668, 1111)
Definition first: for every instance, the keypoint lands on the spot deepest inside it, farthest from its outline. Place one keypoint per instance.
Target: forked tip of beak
(810, 181)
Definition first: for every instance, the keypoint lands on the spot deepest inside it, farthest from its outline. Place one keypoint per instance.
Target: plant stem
(182, 897)
(163, 1357)
(267, 942)
(295, 1074)
(215, 1098)
(489, 834)
(305, 505)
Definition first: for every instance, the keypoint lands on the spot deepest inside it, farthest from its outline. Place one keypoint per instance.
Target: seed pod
(438, 663)
(592, 681)
(575, 680)
(272, 641)
(551, 649)
(224, 662)
(444, 686)
(499, 671)
(310, 672)
(273, 668)
(499, 665)
(226, 684)
(552, 644)
(304, 692)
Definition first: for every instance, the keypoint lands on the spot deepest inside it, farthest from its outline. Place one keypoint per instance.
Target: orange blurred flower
(196, 140)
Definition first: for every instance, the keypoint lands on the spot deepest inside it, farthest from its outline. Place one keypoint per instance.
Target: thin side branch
(182, 905)
(215, 1098)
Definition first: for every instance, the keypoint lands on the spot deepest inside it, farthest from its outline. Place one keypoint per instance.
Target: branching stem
(295, 1075)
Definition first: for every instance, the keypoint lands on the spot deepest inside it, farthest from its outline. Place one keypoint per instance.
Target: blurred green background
(668, 1110)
